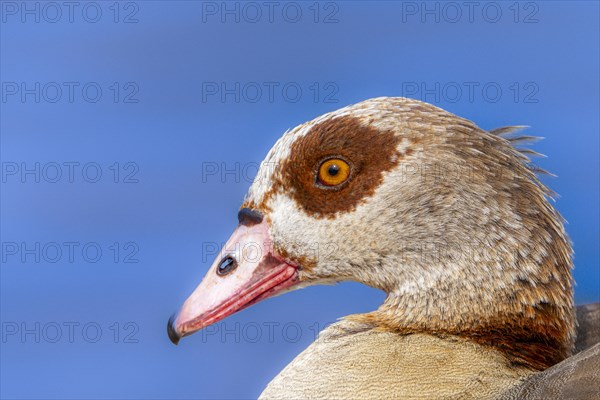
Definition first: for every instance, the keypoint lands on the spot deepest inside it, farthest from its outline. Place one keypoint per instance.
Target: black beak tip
(173, 335)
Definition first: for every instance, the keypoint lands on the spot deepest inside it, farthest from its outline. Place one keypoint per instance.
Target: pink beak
(246, 271)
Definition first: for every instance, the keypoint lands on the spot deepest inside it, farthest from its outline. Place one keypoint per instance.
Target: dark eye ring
(226, 266)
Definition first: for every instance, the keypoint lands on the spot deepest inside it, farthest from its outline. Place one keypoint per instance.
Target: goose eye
(333, 172)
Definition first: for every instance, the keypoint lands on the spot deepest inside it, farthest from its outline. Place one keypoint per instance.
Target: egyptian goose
(448, 219)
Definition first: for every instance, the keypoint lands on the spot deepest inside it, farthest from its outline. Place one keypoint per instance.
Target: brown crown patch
(369, 151)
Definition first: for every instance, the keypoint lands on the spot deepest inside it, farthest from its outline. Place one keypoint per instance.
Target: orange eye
(333, 172)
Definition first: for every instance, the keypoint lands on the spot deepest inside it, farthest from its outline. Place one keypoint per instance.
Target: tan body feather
(347, 362)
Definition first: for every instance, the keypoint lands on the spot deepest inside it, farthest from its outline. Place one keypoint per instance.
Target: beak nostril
(249, 217)
(226, 265)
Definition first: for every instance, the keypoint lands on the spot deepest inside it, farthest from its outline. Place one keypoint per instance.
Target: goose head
(446, 218)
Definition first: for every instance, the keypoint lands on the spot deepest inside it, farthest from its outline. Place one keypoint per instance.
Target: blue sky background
(164, 211)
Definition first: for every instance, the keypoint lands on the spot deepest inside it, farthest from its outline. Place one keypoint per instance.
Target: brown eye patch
(370, 151)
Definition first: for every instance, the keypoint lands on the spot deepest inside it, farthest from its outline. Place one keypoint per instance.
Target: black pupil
(333, 170)
(226, 265)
